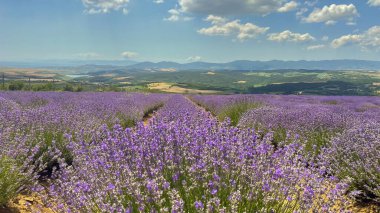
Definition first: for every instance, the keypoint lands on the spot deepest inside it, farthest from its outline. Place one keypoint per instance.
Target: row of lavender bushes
(185, 160)
(343, 130)
(34, 127)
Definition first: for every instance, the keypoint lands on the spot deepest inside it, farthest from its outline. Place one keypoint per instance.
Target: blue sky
(189, 30)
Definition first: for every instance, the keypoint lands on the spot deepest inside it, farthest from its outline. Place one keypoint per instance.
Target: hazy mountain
(51, 64)
(265, 65)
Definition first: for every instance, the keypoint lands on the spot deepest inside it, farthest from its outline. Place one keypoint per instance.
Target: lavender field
(131, 152)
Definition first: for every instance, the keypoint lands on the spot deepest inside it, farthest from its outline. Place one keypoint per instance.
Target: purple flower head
(266, 187)
(199, 205)
(308, 191)
(278, 173)
(110, 187)
(166, 185)
(214, 191)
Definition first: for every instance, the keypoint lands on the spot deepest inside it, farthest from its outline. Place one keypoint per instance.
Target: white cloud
(343, 40)
(216, 19)
(158, 1)
(331, 14)
(128, 54)
(374, 3)
(290, 36)
(292, 5)
(301, 11)
(315, 47)
(223, 27)
(325, 38)
(311, 3)
(330, 22)
(176, 15)
(105, 6)
(194, 58)
(370, 39)
(228, 7)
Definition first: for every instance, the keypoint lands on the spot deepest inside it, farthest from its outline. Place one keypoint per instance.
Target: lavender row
(187, 161)
(343, 129)
(34, 125)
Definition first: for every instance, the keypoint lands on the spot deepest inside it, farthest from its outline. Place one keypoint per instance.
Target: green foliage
(68, 88)
(320, 88)
(316, 140)
(279, 136)
(235, 111)
(43, 87)
(79, 88)
(50, 141)
(228, 196)
(11, 180)
(125, 120)
(16, 85)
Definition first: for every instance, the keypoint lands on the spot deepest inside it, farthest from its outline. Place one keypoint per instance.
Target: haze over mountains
(234, 65)
(265, 65)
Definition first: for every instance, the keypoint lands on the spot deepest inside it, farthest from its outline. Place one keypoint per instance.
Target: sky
(189, 30)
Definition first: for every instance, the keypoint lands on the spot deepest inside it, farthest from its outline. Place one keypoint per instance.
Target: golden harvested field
(170, 88)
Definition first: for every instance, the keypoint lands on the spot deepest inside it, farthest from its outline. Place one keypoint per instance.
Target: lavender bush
(11, 180)
(34, 125)
(44, 118)
(314, 124)
(355, 156)
(18, 170)
(186, 161)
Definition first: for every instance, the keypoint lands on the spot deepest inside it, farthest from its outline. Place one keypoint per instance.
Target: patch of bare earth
(26, 204)
(147, 119)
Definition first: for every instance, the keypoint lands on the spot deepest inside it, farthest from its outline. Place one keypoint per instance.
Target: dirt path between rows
(146, 119)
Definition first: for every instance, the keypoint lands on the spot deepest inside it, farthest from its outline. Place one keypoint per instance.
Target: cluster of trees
(21, 85)
(71, 88)
(16, 85)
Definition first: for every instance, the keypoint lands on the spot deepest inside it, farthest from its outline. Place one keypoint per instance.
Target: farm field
(135, 152)
(111, 78)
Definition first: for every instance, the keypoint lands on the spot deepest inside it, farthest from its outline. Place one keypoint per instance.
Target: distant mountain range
(65, 63)
(235, 65)
(264, 65)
